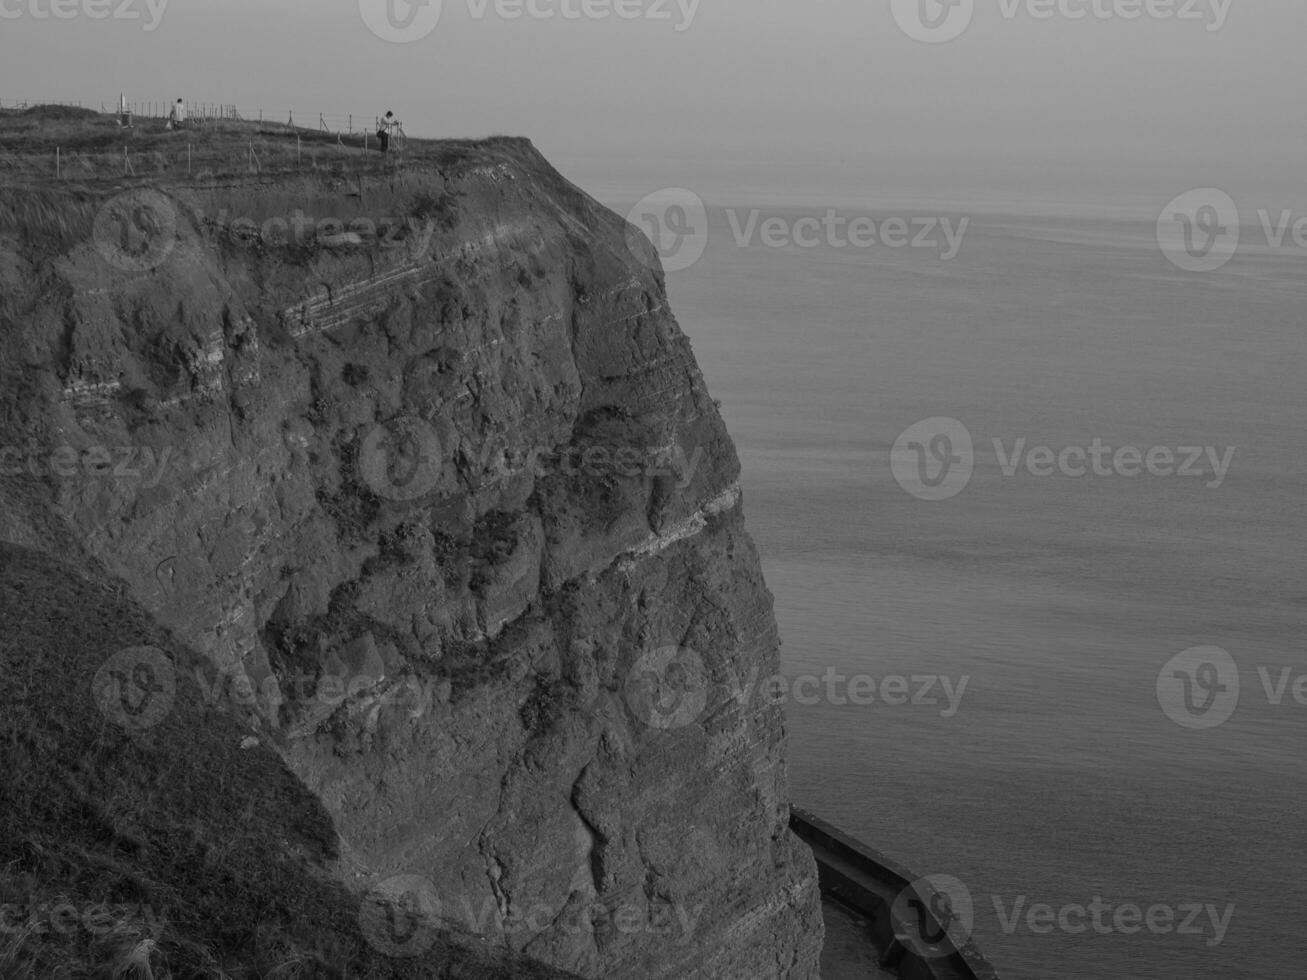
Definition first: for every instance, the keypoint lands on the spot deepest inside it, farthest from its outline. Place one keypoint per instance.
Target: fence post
(188, 159)
(298, 150)
(56, 162)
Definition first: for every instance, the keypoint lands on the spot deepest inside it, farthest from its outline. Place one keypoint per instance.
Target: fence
(220, 139)
(200, 113)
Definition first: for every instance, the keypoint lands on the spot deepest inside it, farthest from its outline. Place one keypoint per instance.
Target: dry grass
(92, 147)
(213, 861)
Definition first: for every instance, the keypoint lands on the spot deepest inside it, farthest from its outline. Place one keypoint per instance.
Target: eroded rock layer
(424, 466)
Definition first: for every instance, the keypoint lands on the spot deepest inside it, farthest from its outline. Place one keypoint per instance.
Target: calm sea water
(1059, 779)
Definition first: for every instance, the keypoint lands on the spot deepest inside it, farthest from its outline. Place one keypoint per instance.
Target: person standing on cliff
(385, 129)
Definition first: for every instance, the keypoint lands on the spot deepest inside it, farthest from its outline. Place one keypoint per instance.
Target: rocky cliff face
(423, 465)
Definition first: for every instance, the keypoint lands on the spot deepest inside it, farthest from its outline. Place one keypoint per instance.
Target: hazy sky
(822, 92)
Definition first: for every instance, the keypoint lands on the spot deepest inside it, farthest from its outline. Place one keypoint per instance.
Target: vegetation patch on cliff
(182, 848)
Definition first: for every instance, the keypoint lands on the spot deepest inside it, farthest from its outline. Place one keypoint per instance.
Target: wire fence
(219, 139)
(200, 113)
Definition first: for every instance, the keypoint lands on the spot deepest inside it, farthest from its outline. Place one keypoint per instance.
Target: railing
(870, 884)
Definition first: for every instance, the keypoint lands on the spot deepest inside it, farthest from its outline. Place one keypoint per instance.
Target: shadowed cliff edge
(321, 424)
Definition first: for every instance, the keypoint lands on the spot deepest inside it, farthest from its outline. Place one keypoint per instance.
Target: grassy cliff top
(93, 146)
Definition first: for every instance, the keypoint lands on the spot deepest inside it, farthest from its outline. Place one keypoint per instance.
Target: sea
(1115, 786)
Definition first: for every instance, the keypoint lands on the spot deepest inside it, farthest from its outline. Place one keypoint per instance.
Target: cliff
(179, 848)
(418, 460)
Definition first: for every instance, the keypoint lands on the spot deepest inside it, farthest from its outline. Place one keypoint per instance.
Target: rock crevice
(474, 482)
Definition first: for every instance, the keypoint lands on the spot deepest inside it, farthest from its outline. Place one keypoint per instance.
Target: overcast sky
(832, 94)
